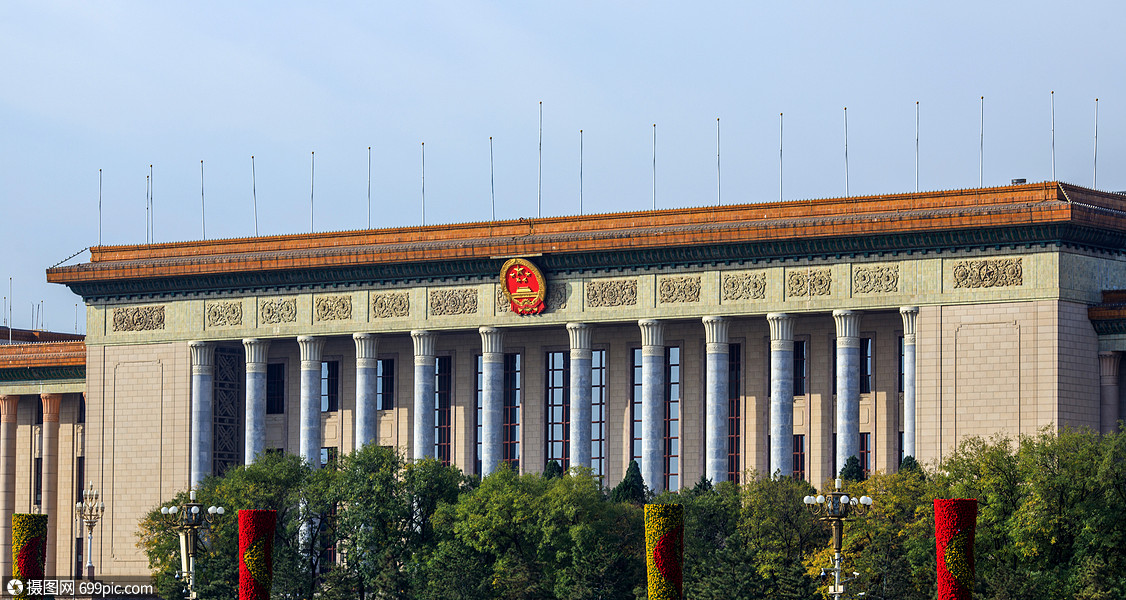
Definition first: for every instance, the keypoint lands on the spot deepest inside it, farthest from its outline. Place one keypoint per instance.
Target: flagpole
(846, 149)
(492, 182)
(1053, 135)
(202, 203)
(580, 171)
(254, 193)
(916, 146)
(312, 180)
(779, 157)
(981, 144)
(369, 187)
(654, 166)
(1095, 160)
(718, 171)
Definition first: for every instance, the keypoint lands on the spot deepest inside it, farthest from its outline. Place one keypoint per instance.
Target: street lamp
(188, 520)
(835, 509)
(89, 510)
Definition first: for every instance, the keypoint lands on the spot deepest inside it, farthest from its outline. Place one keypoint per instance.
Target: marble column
(579, 336)
(653, 403)
(718, 373)
(848, 386)
(310, 443)
(424, 364)
(50, 455)
(492, 399)
(203, 393)
(1108, 388)
(909, 314)
(257, 351)
(781, 394)
(367, 371)
(8, 412)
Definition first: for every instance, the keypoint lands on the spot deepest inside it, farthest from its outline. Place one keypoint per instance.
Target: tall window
(443, 394)
(834, 453)
(635, 405)
(866, 453)
(513, 384)
(900, 448)
(480, 408)
(901, 386)
(672, 418)
(557, 395)
(385, 383)
(734, 409)
(38, 491)
(328, 456)
(799, 457)
(330, 386)
(275, 388)
(81, 416)
(866, 365)
(598, 412)
(800, 371)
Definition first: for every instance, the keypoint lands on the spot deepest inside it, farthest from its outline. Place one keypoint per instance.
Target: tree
(851, 470)
(552, 470)
(631, 488)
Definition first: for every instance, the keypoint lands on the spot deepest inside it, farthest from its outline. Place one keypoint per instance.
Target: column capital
(424, 342)
(715, 333)
(781, 331)
(51, 407)
(367, 349)
(492, 340)
(1108, 367)
(578, 334)
(910, 314)
(203, 357)
(848, 328)
(652, 334)
(8, 408)
(311, 348)
(257, 351)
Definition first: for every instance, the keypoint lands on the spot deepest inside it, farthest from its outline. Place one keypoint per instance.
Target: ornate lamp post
(89, 510)
(835, 509)
(188, 520)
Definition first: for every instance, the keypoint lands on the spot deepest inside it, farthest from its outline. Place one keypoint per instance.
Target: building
(779, 337)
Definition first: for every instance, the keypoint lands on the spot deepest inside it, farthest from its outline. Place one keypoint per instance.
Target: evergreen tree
(632, 487)
(909, 464)
(552, 470)
(852, 470)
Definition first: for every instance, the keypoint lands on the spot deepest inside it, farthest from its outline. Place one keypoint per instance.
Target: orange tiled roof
(1010, 206)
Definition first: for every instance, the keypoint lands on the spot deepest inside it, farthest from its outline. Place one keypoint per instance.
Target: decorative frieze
(809, 282)
(138, 318)
(224, 314)
(882, 279)
(610, 293)
(744, 286)
(674, 290)
(462, 301)
(390, 305)
(277, 310)
(333, 308)
(1003, 272)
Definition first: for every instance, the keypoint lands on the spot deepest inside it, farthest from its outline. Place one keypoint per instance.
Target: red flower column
(256, 553)
(664, 550)
(954, 525)
(29, 546)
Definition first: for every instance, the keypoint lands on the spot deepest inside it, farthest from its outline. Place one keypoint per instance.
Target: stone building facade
(705, 342)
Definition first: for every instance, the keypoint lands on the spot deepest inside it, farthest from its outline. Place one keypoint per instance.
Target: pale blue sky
(121, 85)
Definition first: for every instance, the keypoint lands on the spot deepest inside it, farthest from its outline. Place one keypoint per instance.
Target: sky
(306, 88)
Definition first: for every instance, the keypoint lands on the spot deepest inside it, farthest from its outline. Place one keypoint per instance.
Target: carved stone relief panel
(391, 304)
(744, 286)
(1003, 272)
(462, 301)
(879, 279)
(678, 289)
(809, 282)
(612, 292)
(138, 318)
(333, 308)
(277, 310)
(224, 314)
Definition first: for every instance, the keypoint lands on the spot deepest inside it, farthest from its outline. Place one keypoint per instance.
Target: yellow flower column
(664, 550)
